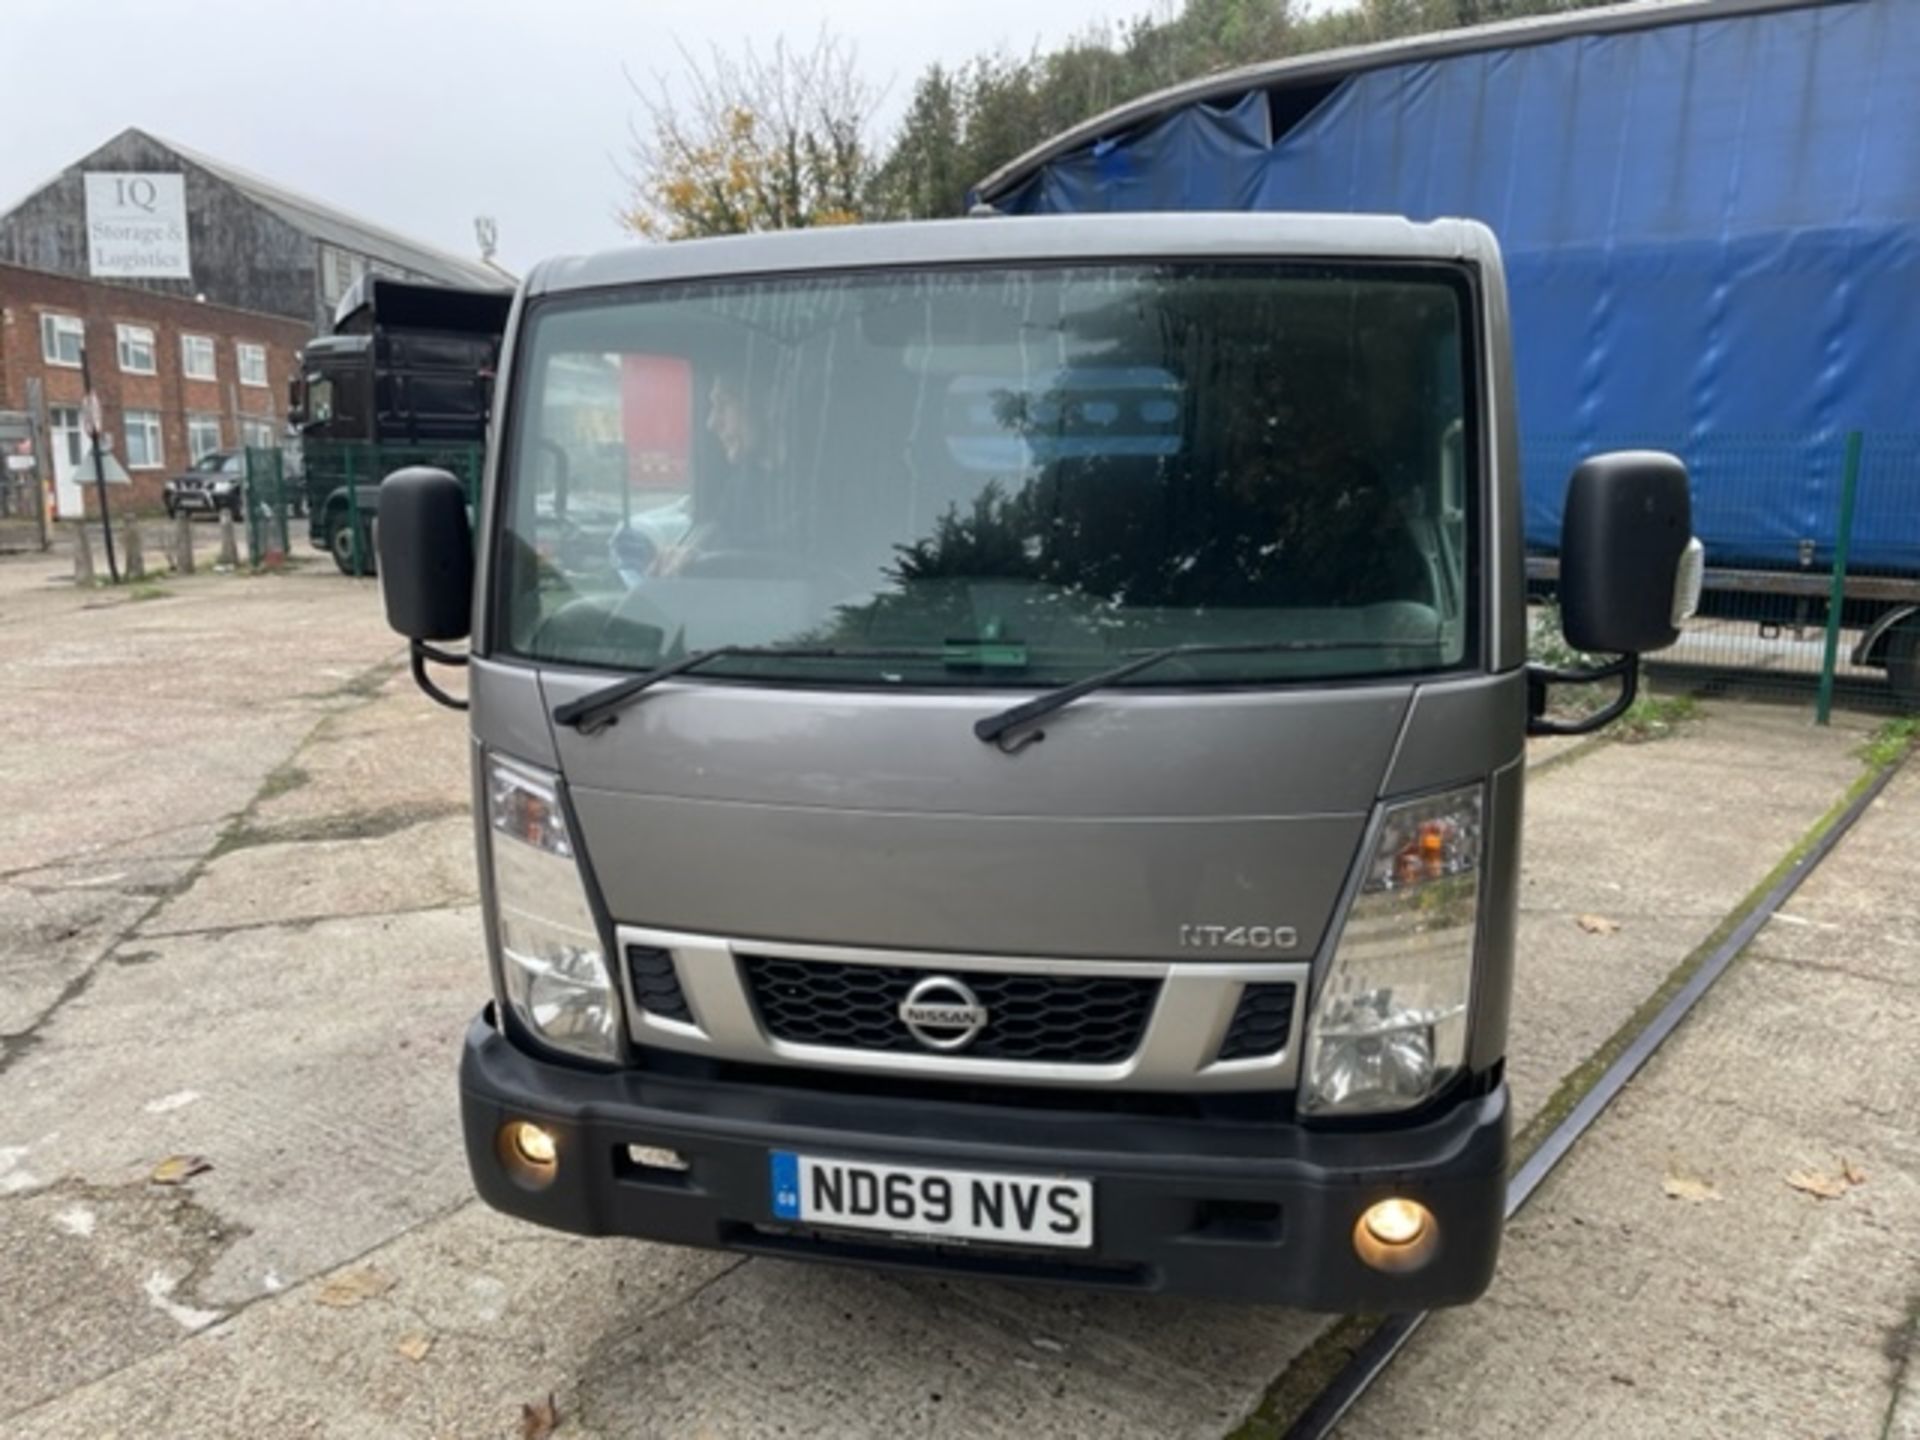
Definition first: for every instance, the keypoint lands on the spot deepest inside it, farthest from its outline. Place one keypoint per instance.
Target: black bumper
(1239, 1210)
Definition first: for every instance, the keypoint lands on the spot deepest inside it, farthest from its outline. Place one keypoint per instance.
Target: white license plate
(933, 1204)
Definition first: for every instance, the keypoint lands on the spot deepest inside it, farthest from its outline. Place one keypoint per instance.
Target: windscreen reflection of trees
(1307, 451)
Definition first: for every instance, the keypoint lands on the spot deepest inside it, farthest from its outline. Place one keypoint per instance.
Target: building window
(203, 435)
(196, 358)
(339, 269)
(259, 434)
(136, 349)
(61, 337)
(143, 440)
(253, 363)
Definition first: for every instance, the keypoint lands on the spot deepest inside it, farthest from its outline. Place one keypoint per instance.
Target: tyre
(1903, 663)
(340, 543)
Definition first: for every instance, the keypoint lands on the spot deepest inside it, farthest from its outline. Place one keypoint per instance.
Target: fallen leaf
(1852, 1173)
(415, 1346)
(1818, 1182)
(538, 1420)
(350, 1287)
(1596, 924)
(178, 1169)
(1687, 1187)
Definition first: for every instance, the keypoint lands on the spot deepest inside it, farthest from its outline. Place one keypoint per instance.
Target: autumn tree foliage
(733, 144)
(788, 139)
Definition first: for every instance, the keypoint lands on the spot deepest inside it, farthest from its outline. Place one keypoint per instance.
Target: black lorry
(405, 378)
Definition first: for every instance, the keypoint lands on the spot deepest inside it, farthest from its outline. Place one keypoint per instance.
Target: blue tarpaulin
(1712, 232)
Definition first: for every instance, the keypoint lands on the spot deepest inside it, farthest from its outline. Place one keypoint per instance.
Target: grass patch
(147, 591)
(1654, 717)
(1890, 742)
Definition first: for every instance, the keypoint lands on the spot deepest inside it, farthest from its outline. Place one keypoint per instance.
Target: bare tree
(773, 141)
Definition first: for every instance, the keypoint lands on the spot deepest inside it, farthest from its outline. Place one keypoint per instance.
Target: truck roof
(1188, 235)
(1321, 70)
(383, 300)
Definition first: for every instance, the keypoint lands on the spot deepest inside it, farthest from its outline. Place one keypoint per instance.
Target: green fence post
(1837, 593)
(353, 512)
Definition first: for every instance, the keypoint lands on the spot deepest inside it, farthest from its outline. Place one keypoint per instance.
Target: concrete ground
(237, 923)
(1734, 1250)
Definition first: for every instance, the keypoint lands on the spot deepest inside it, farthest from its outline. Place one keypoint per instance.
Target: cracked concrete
(278, 955)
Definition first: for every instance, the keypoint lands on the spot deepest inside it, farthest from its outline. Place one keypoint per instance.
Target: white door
(69, 444)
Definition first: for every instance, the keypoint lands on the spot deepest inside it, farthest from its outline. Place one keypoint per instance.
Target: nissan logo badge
(942, 1013)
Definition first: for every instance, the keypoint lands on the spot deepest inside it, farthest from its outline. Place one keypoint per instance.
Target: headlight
(1389, 1024)
(552, 963)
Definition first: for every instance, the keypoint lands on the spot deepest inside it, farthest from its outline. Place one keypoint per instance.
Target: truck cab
(406, 376)
(998, 746)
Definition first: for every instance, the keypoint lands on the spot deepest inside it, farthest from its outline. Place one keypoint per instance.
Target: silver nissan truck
(998, 745)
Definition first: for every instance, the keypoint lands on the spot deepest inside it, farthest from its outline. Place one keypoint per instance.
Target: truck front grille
(1048, 1019)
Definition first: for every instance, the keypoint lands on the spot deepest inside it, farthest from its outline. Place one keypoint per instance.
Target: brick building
(156, 215)
(176, 377)
(193, 284)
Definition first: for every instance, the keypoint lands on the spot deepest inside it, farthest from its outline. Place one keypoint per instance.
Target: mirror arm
(418, 654)
(1540, 677)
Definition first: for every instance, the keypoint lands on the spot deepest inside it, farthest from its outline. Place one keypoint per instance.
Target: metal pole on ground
(1837, 592)
(42, 458)
(99, 464)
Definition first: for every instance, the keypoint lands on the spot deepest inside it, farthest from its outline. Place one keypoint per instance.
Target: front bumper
(1232, 1209)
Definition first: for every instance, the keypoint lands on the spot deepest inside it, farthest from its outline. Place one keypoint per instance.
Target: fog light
(532, 1144)
(1396, 1222)
(1396, 1235)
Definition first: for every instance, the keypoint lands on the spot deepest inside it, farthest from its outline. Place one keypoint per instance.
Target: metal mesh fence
(270, 507)
(1813, 555)
(332, 494)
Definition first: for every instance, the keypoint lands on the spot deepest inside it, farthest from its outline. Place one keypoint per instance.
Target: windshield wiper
(597, 709)
(993, 727)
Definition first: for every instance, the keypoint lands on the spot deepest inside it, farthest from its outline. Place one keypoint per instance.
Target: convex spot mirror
(1630, 567)
(426, 554)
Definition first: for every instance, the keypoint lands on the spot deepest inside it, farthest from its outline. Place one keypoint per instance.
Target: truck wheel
(1903, 663)
(340, 542)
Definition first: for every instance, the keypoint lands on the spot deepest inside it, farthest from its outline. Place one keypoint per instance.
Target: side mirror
(1630, 573)
(1630, 568)
(426, 565)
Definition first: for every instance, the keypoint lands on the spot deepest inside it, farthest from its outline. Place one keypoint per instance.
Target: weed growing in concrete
(1890, 742)
(1654, 717)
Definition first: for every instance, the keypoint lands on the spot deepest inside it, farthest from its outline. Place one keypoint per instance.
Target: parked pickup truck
(1048, 806)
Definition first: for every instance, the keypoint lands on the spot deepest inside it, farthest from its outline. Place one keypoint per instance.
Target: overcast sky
(420, 114)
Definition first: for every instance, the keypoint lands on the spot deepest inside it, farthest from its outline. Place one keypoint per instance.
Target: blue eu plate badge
(786, 1185)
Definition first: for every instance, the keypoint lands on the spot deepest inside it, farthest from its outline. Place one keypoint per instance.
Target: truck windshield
(997, 476)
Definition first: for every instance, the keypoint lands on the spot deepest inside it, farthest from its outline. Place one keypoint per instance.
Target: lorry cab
(407, 371)
(998, 745)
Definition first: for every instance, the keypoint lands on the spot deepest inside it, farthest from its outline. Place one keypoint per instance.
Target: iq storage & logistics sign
(137, 226)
